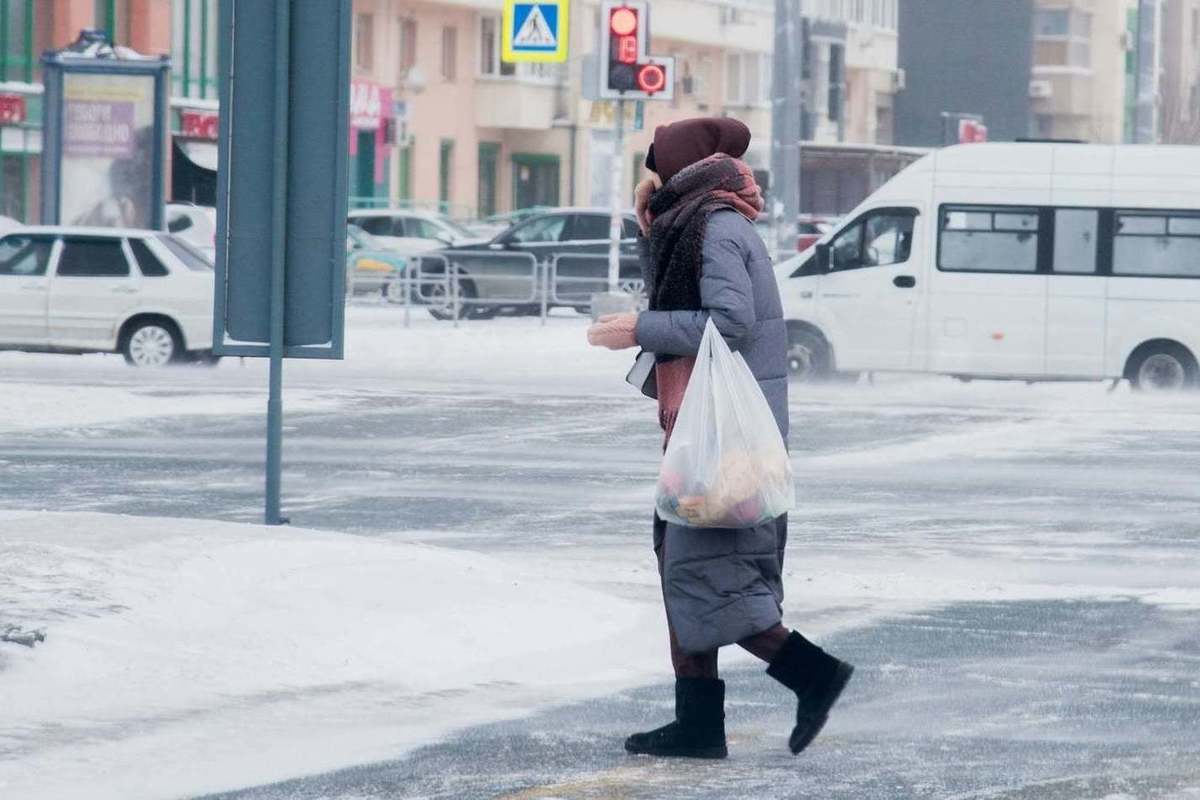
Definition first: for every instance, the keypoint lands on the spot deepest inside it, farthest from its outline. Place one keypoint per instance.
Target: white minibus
(1027, 261)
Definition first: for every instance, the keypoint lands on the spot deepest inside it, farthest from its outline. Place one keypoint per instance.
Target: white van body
(146, 294)
(1031, 261)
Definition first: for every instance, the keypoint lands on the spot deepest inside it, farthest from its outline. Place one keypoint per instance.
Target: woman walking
(720, 586)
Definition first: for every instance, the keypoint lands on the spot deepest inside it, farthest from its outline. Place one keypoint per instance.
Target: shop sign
(370, 104)
(199, 125)
(12, 109)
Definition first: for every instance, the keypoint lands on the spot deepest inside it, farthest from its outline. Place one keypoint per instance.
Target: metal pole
(545, 267)
(279, 222)
(614, 228)
(787, 107)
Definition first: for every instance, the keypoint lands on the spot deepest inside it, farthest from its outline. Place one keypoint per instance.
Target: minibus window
(982, 239)
(888, 239)
(1184, 226)
(879, 239)
(1157, 245)
(1076, 233)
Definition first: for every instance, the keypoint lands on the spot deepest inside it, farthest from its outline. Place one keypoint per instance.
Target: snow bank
(185, 657)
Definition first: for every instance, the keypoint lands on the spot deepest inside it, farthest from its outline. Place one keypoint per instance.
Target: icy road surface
(1013, 569)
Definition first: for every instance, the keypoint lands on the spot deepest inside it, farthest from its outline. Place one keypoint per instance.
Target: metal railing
(458, 285)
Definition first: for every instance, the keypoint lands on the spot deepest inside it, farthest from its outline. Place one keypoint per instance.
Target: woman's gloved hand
(614, 331)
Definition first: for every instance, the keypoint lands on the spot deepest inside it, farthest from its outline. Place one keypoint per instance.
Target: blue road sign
(283, 176)
(535, 30)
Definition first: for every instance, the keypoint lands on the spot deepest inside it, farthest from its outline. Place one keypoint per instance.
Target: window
(147, 262)
(192, 258)
(837, 63)
(879, 239)
(590, 227)
(92, 258)
(1063, 37)
(420, 228)
(194, 48)
(489, 177)
(1159, 245)
(1076, 236)
(364, 41)
(747, 79)
(541, 230)
(983, 239)
(450, 53)
(629, 228)
(25, 256)
(408, 46)
(734, 87)
(18, 51)
(489, 49)
(377, 226)
(1051, 22)
(446, 172)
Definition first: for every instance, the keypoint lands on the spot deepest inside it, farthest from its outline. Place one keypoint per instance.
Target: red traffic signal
(626, 69)
(651, 78)
(623, 21)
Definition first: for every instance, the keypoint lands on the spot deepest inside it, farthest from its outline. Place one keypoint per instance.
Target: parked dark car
(503, 276)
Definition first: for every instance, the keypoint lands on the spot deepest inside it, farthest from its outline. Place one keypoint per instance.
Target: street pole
(615, 224)
(1149, 37)
(786, 123)
(273, 514)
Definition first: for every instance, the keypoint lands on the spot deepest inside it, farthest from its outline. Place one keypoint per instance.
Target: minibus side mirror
(822, 257)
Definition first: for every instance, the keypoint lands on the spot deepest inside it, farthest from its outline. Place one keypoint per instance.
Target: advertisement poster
(108, 150)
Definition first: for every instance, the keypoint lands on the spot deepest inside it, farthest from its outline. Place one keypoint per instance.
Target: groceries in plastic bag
(726, 465)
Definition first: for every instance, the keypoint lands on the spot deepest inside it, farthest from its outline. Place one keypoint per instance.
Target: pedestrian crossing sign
(535, 30)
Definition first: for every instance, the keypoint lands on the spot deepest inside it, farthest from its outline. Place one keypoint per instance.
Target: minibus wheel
(808, 356)
(1162, 367)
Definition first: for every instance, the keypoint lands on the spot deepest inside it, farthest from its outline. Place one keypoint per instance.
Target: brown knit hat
(683, 143)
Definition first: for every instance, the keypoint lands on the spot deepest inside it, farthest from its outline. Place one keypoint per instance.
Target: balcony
(516, 103)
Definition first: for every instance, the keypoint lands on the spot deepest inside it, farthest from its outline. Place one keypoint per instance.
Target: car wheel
(808, 357)
(1164, 367)
(151, 344)
(440, 302)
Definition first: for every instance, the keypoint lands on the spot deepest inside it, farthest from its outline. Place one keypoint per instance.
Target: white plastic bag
(726, 465)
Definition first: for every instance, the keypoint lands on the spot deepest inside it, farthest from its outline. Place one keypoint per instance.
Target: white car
(410, 232)
(197, 225)
(8, 224)
(145, 294)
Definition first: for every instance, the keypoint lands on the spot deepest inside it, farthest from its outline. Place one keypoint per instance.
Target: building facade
(439, 121)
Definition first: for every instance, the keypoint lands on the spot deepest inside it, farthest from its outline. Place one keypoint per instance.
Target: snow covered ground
(471, 545)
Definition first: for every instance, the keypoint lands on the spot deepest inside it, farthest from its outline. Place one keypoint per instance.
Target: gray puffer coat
(722, 585)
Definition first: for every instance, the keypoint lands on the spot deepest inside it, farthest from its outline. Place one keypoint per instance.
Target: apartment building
(1084, 73)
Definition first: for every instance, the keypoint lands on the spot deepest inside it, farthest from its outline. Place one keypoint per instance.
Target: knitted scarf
(679, 212)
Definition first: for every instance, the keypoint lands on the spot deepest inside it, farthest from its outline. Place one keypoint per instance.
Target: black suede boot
(699, 727)
(816, 677)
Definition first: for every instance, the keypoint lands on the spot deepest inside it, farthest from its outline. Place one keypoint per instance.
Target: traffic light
(627, 71)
